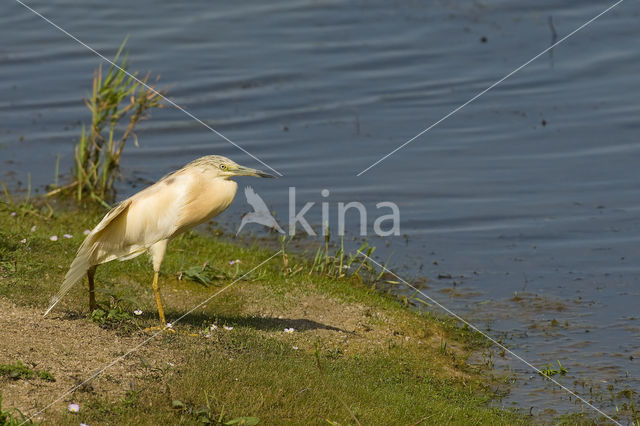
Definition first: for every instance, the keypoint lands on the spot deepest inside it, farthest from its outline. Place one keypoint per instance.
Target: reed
(118, 103)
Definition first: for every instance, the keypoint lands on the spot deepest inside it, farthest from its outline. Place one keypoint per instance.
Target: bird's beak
(246, 171)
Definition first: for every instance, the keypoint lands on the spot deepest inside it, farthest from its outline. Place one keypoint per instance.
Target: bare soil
(72, 348)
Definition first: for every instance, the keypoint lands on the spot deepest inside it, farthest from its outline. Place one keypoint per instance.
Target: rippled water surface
(527, 197)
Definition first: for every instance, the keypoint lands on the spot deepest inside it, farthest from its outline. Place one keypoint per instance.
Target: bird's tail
(78, 268)
(86, 256)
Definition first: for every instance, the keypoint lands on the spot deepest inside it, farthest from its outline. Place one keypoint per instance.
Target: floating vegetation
(550, 371)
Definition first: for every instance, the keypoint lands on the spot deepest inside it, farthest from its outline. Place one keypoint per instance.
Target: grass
(18, 371)
(397, 367)
(26, 206)
(12, 417)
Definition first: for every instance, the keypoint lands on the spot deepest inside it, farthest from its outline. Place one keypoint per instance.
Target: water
(527, 197)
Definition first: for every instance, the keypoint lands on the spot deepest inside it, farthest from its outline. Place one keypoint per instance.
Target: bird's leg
(156, 291)
(157, 254)
(91, 272)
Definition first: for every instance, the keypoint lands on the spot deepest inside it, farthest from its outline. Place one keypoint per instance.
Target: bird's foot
(169, 329)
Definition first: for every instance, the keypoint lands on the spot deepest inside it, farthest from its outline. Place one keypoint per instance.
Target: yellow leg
(157, 253)
(156, 291)
(163, 321)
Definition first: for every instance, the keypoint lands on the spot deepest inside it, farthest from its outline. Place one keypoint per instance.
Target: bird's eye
(223, 167)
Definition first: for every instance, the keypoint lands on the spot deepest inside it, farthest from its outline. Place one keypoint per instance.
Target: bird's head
(226, 168)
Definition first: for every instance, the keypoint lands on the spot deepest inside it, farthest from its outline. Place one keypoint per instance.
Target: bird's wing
(175, 203)
(255, 200)
(126, 231)
(84, 258)
(107, 219)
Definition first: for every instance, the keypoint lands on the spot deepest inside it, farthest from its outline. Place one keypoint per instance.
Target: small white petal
(53, 238)
(12, 214)
(86, 232)
(169, 325)
(226, 327)
(213, 327)
(24, 240)
(33, 228)
(295, 348)
(68, 236)
(74, 408)
(137, 312)
(289, 330)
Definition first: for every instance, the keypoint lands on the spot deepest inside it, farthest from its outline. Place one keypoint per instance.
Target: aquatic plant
(550, 371)
(117, 98)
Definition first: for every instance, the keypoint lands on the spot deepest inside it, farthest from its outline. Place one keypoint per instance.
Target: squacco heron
(146, 221)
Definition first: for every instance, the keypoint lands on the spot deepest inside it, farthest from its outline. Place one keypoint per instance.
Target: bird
(260, 214)
(149, 219)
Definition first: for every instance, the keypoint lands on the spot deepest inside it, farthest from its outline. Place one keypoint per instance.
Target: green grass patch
(355, 355)
(18, 371)
(12, 416)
